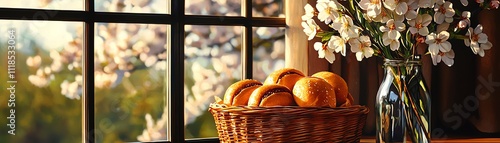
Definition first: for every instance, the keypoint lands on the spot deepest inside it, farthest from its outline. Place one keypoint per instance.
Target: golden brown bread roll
(338, 84)
(271, 95)
(285, 76)
(238, 93)
(314, 92)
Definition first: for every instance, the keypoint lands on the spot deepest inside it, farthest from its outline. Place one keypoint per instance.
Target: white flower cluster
(140, 6)
(71, 57)
(393, 28)
(155, 131)
(121, 48)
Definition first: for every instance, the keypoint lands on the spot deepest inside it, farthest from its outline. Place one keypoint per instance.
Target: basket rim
(223, 107)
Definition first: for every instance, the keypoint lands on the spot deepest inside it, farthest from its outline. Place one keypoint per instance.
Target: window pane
(130, 82)
(135, 6)
(268, 8)
(44, 83)
(213, 55)
(213, 7)
(268, 51)
(44, 4)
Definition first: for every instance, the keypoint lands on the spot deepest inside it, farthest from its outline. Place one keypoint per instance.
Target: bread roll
(314, 92)
(338, 84)
(238, 93)
(271, 95)
(285, 76)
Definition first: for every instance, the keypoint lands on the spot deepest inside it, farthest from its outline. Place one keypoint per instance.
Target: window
(122, 64)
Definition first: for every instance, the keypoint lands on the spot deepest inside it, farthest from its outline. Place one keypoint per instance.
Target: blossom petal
(480, 53)
(448, 61)
(355, 45)
(478, 29)
(330, 57)
(318, 46)
(359, 56)
(426, 19)
(483, 38)
(394, 45)
(445, 46)
(393, 34)
(439, 18)
(402, 8)
(449, 9)
(412, 14)
(400, 26)
(450, 54)
(467, 42)
(363, 4)
(434, 48)
(386, 39)
(464, 2)
(486, 46)
(413, 30)
(384, 28)
(434, 59)
(424, 31)
(368, 52)
(474, 46)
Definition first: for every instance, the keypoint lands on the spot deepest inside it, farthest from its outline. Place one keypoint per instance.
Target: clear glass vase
(403, 103)
(418, 107)
(389, 107)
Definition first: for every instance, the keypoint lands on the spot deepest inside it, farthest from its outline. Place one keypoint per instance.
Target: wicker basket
(289, 123)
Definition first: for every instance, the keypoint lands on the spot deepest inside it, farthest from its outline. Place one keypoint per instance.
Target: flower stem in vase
(418, 105)
(390, 118)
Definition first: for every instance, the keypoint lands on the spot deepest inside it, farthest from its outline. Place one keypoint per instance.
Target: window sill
(372, 140)
(452, 140)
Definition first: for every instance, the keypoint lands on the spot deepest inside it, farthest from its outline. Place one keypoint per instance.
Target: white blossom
(324, 52)
(419, 25)
(398, 6)
(383, 17)
(465, 22)
(328, 10)
(411, 13)
(34, 61)
(438, 42)
(338, 44)
(362, 47)
(392, 28)
(446, 57)
(494, 4)
(309, 12)
(310, 28)
(426, 3)
(443, 12)
(346, 27)
(373, 7)
(392, 43)
(478, 41)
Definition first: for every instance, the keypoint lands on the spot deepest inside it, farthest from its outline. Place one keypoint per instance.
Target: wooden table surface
(465, 140)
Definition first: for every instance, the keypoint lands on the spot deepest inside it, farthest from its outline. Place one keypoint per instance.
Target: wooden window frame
(177, 20)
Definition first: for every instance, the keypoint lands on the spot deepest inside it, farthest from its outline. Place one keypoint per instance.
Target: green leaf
(325, 36)
(325, 39)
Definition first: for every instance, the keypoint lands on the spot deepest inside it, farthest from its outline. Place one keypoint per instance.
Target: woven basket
(289, 123)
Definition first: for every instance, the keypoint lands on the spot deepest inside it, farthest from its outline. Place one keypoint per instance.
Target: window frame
(177, 19)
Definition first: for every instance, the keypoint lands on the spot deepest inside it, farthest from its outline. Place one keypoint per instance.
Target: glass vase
(403, 103)
(418, 107)
(389, 108)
